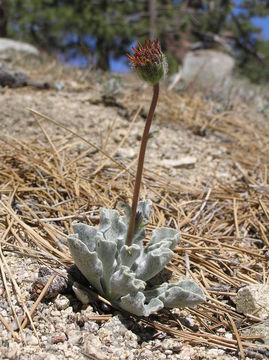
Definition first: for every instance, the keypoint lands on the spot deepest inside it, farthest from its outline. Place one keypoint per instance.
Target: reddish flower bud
(149, 62)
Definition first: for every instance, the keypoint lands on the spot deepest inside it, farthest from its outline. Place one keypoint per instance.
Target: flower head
(149, 62)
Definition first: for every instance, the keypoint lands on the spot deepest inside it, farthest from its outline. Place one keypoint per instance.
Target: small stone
(62, 302)
(12, 354)
(4, 313)
(58, 338)
(184, 162)
(91, 327)
(177, 347)
(68, 311)
(187, 353)
(126, 153)
(31, 340)
(14, 324)
(215, 353)
(92, 350)
(168, 352)
(82, 294)
(221, 330)
(253, 299)
(145, 354)
(55, 313)
(261, 330)
(228, 335)
(50, 357)
(74, 337)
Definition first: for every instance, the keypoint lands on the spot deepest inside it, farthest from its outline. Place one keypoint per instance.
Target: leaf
(129, 254)
(123, 281)
(86, 234)
(164, 237)
(152, 263)
(106, 251)
(112, 226)
(182, 294)
(87, 262)
(135, 304)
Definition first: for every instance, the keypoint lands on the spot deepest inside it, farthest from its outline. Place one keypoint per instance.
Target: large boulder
(7, 45)
(205, 68)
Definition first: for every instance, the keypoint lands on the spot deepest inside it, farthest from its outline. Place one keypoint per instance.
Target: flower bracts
(149, 62)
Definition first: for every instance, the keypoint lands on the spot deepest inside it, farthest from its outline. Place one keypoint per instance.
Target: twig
(9, 328)
(235, 219)
(39, 299)
(202, 206)
(237, 336)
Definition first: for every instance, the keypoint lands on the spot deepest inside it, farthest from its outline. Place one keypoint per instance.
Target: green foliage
(62, 24)
(257, 70)
(172, 63)
(114, 24)
(216, 23)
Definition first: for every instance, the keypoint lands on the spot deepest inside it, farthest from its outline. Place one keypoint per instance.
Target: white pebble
(62, 303)
(32, 340)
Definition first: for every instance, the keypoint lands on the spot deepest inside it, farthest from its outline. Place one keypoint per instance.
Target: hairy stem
(140, 165)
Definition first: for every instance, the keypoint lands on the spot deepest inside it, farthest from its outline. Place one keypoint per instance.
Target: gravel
(62, 333)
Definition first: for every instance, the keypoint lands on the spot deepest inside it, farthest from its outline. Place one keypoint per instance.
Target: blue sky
(264, 24)
(261, 22)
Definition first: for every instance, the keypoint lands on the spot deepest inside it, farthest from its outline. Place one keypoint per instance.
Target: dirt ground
(206, 172)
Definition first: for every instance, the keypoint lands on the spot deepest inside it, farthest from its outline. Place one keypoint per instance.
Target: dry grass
(45, 186)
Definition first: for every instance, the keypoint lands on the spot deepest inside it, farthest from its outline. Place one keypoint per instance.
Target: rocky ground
(201, 152)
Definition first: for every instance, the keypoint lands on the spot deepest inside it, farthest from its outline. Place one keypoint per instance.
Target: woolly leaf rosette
(120, 273)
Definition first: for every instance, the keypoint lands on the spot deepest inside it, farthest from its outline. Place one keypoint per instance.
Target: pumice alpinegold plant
(113, 257)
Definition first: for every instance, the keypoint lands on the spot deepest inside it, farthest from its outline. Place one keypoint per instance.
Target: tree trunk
(152, 19)
(103, 52)
(3, 18)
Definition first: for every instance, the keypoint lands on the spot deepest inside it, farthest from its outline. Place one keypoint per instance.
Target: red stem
(140, 165)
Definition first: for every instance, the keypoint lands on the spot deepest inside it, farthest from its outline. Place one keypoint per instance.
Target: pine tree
(101, 26)
(217, 24)
(104, 28)
(3, 18)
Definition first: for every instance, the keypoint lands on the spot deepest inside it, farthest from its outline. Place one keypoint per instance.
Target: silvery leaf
(86, 261)
(112, 226)
(144, 207)
(106, 251)
(129, 254)
(135, 304)
(152, 263)
(182, 294)
(156, 292)
(143, 213)
(86, 234)
(123, 281)
(164, 237)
